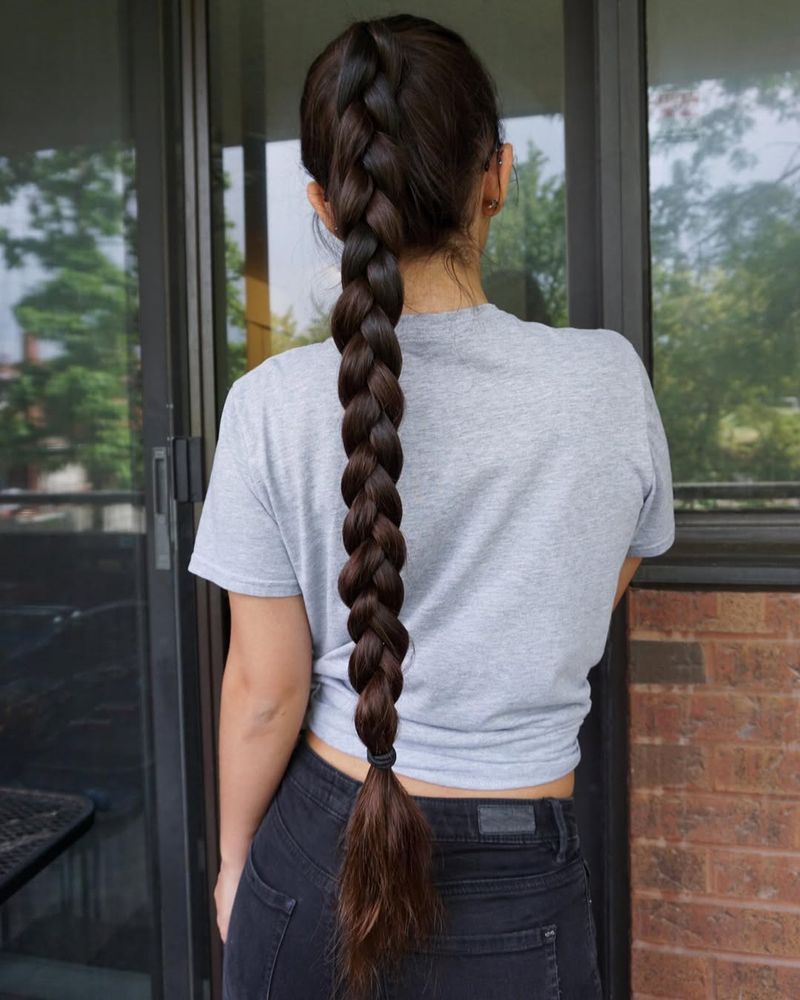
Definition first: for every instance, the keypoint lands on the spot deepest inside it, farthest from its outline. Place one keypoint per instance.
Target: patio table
(35, 827)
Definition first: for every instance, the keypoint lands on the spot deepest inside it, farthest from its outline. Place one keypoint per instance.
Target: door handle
(160, 481)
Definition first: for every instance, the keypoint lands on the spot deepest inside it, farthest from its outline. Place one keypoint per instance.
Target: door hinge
(187, 469)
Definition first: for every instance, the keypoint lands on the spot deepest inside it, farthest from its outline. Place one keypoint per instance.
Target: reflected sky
(295, 256)
(300, 271)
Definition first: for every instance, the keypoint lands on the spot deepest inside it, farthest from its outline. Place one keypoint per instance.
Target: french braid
(386, 895)
(398, 154)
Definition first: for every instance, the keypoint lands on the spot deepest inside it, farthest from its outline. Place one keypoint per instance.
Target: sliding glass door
(90, 692)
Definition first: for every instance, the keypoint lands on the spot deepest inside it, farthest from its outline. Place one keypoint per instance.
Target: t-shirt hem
(251, 588)
(467, 777)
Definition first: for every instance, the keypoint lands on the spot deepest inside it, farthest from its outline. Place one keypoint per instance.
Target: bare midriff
(357, 768)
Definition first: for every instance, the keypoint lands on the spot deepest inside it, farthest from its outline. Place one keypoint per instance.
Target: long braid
(386, 897)
(400, 157)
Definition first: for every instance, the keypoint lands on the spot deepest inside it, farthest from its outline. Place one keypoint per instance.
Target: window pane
(74, 663)
(276, 284)
(724, 124)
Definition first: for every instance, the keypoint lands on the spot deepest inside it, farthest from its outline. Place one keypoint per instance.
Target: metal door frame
(178, 821)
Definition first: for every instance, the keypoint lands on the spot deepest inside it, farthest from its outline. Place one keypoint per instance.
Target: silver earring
(493, 203)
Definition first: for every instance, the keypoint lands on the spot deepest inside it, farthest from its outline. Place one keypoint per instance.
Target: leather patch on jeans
(506, 817)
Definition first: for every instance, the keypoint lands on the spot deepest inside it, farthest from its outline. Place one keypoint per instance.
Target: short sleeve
(238, 544)
(655, 529)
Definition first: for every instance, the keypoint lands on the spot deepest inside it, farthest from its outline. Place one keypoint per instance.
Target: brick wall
(715, 794)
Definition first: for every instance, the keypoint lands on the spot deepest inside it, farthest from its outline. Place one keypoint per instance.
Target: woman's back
(534, 462)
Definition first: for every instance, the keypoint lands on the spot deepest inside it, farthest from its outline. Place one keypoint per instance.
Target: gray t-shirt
(535, 460)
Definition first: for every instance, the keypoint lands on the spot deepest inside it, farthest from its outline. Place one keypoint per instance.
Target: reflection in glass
(281, 280)
(724, 123)
(72, 601)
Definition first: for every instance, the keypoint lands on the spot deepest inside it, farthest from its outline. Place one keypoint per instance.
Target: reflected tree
(525, 256)
(527, 242)
(725, 234)
(71, 223)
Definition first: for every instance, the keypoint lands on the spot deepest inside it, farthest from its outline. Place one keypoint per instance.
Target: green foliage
(81, 402)
(527, 242)
(726, 299)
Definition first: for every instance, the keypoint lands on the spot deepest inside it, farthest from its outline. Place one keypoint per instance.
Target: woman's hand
(224, 892)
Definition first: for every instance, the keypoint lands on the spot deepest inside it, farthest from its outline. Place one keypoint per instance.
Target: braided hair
(397, 117)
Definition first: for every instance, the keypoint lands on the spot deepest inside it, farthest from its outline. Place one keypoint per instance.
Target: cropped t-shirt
(534, 462)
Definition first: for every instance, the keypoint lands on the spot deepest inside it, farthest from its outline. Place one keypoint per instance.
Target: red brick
(757, 769)
(669, 974)
(773, 665)
(667, 765)
(670, 867)
(715, 715)
(727, 715)
(657, 713)
(763, 877)
(665, 662)
(739, 611)
(668, 610)
(703, 715)
(782, 613)
(718, 928)
(755, 981)
(715, 818)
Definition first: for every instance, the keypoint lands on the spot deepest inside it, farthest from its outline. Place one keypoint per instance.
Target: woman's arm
(265, 689)
(629, 567)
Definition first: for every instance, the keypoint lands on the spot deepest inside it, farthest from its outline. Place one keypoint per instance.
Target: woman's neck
(430, 287)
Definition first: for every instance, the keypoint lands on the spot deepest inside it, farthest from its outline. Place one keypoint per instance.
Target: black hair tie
(384, 760)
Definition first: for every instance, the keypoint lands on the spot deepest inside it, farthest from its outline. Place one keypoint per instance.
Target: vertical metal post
(608, 286)
(205, 615)
(169, 701)
(624, 228)
(581, 138)
(257, 307)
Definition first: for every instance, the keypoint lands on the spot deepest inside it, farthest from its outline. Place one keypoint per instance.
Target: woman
(400, 708)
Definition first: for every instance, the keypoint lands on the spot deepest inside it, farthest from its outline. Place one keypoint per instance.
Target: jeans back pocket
(513, 965)
(258, 921)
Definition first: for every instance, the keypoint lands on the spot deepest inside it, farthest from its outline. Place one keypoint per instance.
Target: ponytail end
(387, 901)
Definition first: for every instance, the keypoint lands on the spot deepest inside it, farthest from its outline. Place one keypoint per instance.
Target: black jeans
(511, 873)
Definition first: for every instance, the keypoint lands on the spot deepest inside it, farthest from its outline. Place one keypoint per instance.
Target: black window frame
(714, 548)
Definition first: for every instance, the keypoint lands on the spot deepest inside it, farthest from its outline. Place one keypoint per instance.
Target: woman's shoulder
(599, 349)
(294, 376)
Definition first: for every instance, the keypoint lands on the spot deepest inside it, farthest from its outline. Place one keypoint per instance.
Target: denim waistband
(492, 819)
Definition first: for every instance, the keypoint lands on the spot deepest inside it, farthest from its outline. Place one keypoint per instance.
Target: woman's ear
(496, 179)
(507, 156)
(317, 198)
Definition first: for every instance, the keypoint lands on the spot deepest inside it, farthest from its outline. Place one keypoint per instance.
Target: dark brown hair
(398, 120)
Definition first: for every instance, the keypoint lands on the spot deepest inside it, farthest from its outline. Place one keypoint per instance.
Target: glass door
(275, 281)
(90, 697)
(268, 281)
(275, 276)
